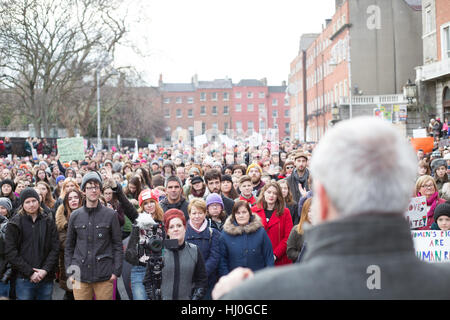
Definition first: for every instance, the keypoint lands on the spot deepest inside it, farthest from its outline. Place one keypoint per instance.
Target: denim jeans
(4, 289)
(137, 286)
(26, 290)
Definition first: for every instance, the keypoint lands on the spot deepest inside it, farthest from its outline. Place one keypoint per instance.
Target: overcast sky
(241, 39)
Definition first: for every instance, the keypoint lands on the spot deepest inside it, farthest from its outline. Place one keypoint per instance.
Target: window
(238, 107)
(286, 113)
(274, 102)
(250, 125)
(286, 127)
(178, 113)
(238, 95)
(215, 126)
(261, 107)
(225, 110)
(190, 113)
(274, 113)
(250, 107)
(202, 110)
(166, 100)
(190, 100)
(214, 110)
(275, 125)
(214, 96)
(225, 127)
(226, 96)
(167, 113)
(202, 96)
(250, 94)
(262, 95)
(286, 102)
(429, 24)
(179, 100)
(446, 42)
(203, 127)
(239, 125)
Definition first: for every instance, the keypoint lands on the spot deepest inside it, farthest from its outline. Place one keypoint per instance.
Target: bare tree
(50, 48)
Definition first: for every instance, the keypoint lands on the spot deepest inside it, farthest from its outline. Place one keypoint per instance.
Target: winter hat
(60, 178)
(196, 179)
(435, 164)
(442, 209)
(6, 203)
(193, 170)
(253, 165)
(171, 214)
(155, 162)
(214, 198)
(91, 176)
(145, 195)
(43, 163)
(28, 193)
(108, 161)
(168, 163)
(8, 181)
(173, 178)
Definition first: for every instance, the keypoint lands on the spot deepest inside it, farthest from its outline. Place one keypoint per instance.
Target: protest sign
(419, 133)
(426, 144)
(200, 140)
(417, 213)
(71, 149)
(152, 147)
(432, 245)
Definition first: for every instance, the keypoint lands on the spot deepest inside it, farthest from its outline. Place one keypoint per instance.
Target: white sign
(432, 245)
(417, 213)
(152, 147)
(200, 140)
(419, 133)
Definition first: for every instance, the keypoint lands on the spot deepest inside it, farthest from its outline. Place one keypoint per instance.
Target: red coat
(278, 230)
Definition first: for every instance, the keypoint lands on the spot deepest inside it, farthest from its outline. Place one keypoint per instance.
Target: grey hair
(365, 165)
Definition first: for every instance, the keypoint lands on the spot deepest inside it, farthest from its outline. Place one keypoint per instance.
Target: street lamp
(410, 91)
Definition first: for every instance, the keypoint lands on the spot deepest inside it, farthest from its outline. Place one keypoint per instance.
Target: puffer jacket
(94, 244)
(208, 241)
(244, 246)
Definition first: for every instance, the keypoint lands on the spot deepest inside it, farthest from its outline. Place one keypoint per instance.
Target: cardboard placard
(417, 213)
(432, 245)
(71, 149)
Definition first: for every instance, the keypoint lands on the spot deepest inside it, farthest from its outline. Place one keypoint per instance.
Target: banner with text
(432, 245)
(417, 213)
(71, 149)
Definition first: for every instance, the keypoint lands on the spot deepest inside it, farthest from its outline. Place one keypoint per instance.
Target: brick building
(360, 61)
(433, 76)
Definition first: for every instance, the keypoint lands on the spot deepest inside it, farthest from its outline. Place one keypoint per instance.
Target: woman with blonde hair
(295, 243)
(426, 186)
(68, 185)
(45, 191)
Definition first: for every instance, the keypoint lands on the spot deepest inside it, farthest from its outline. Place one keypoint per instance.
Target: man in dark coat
(357, 249)
(174, 199)
(213, 179)
(93, 255)
(299, 177)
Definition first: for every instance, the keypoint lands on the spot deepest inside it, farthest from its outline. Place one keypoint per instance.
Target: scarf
(303, 180)
(200, 193)
(202, 227)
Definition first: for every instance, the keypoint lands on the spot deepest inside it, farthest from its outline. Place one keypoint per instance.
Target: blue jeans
(137, 286)
(26, 290)
(4, 289)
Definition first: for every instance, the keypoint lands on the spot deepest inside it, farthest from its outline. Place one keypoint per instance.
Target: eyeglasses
(429, 186)
(289, 167)
(92, 188)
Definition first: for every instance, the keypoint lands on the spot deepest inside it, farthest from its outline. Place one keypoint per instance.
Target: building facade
(433, 76)
(359, 63)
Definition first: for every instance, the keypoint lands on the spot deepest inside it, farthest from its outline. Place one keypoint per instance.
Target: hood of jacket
(232, 228)
(60, 218)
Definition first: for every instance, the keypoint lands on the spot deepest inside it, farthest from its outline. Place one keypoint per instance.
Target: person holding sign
(426, 186)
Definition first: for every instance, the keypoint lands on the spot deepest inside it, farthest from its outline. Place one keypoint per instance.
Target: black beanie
(10, 182)
(442, 209)
(28, 193)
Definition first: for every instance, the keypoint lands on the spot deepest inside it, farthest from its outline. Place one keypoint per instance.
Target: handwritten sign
(432, 245)
(417, 213)
(71, 149)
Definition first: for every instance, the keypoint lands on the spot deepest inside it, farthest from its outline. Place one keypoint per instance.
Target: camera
(155, 243)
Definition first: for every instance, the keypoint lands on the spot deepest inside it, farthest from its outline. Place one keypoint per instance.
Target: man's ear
(324, 205)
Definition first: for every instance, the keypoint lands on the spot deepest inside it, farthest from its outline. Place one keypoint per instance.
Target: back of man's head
(365, 165)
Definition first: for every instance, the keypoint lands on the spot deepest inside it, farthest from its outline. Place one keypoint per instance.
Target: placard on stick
(417, 213)
(71, 149)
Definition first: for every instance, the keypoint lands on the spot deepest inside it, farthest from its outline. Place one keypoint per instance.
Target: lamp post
(410, 92)
(99, 138)
(335, 114)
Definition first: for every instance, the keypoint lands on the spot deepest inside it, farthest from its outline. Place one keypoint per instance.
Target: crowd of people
(181, 222)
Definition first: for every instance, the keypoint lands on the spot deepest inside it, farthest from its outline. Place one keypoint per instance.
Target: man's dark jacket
(368, 256)
(94, 243)
(47, 242)
(180, 205)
